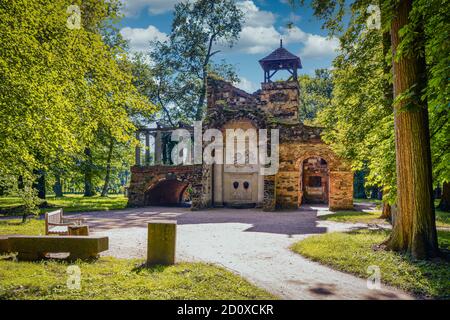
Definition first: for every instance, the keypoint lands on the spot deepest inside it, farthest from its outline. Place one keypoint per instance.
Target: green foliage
(182, 63)
(60, 86)
(359, 122)
(315, 94)
(117, 279)
(352, 252)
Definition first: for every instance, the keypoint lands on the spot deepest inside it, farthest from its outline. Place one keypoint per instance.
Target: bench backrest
(53, 217)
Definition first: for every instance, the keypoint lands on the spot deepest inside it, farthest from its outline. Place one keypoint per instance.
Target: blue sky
(265, 23)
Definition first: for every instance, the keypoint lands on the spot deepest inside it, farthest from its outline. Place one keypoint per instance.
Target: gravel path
(250, 242)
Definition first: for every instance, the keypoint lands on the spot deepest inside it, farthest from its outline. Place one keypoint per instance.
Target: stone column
(138, 151)
(147, 148)
(218, 185)
(158, 148)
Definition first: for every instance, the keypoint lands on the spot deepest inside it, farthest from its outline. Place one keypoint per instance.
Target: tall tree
(60, 83)
(315, 94)
(186, 58)
(415, 227)
(409, 21)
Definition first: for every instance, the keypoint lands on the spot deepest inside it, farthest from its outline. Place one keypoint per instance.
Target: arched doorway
(168, 192)
(315, 180)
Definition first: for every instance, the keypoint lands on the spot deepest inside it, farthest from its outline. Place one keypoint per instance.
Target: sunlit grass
(442, 218)
(71, 203)
(110, 278)
(15, 226)
(352, 252)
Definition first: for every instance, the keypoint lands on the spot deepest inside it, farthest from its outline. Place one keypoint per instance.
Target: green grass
(110, 278)
(442, 218)
(72, 203)
(376, 201)
(354, 217)
(30, 227)
(352, 252)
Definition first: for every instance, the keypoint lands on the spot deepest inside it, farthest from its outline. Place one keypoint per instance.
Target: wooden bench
(32, 248)
(56, 223)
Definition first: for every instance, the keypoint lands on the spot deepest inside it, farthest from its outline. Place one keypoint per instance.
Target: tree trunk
(444, 204)
(414, 231)
(88, 174)
(39, 184)
(386, 213)
(108, 169)
(57, 187)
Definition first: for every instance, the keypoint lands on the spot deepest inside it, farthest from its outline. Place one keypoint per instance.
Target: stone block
(161, 242)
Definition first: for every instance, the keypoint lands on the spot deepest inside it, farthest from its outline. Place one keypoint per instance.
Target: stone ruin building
(309, 171)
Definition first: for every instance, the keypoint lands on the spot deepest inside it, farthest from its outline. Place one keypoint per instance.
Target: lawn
(110, 278)
(352, 252)
(30, 227)
(70, 203)
(442, 218)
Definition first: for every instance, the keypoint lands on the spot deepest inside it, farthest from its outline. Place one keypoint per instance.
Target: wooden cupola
(280, 59)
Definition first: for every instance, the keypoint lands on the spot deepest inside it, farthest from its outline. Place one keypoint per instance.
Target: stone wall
(144, 178)
(289, 183)
(280, 99)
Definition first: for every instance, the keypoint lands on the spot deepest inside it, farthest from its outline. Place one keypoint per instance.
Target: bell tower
(281, 98)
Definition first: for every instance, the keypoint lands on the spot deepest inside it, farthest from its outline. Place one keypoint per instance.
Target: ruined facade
(309, 171)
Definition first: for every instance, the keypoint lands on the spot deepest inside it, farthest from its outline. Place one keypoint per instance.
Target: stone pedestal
(161, 242)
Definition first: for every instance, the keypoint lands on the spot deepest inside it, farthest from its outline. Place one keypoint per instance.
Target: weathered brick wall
(288, 180)
(144, 178)
(280, 99)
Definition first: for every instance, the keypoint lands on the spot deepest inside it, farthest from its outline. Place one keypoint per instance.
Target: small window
(315, 181)
(246, 185)
(235, 184)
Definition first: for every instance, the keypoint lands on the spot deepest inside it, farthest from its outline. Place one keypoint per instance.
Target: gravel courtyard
(250, 242)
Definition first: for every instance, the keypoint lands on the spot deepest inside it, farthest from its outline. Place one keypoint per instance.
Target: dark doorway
(168, 193)
(315, 180)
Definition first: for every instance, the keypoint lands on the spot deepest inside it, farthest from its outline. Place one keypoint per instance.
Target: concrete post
(161, 242)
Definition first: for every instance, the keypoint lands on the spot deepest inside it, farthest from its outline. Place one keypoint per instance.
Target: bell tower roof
(280, 59)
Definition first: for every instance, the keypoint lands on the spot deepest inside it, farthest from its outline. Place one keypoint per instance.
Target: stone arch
(166, 191)
(327, 156)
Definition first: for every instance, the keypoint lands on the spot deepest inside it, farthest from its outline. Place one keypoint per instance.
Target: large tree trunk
(88, 174)
(108, 169)
(444, 204)
(57, 187)
(414, 231)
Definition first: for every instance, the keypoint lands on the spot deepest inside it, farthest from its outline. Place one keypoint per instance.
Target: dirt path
(250, 242)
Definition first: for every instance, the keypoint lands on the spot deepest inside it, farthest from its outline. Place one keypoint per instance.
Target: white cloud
(259, 35)
(319, 47)
(246, 85)
(139, 38)
(255, 17)
(133, 7)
